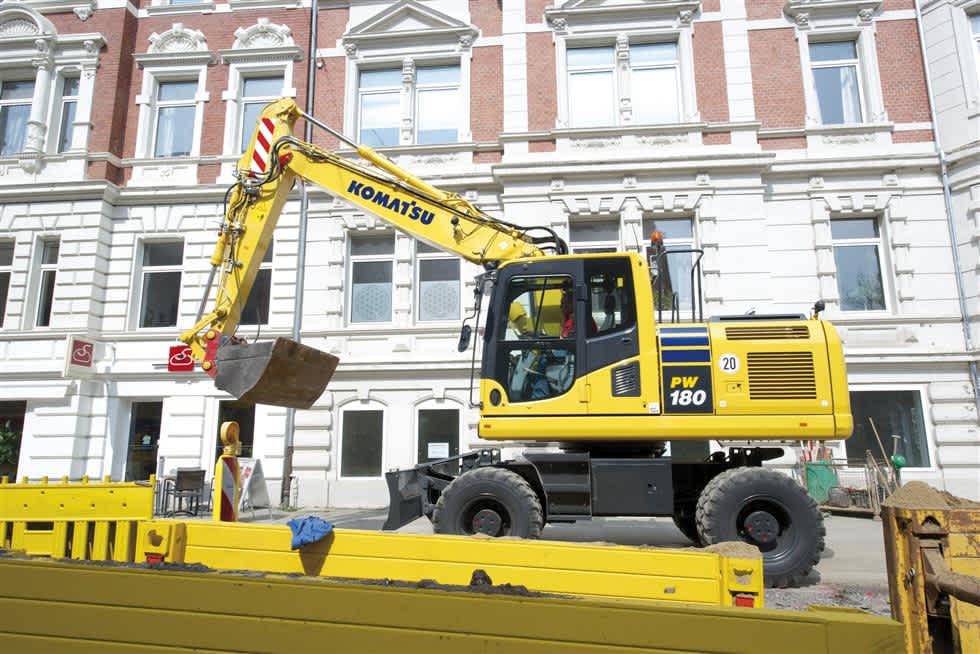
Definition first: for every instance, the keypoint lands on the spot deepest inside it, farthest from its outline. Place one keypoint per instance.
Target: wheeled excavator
(577, 354)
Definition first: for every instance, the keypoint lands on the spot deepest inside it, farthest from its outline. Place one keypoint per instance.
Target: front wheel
(490, 501)
(767, 509)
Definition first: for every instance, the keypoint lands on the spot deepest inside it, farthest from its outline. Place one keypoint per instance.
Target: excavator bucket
(280, 372)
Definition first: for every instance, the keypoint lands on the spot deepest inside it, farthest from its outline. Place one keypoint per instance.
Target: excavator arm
(283, 372)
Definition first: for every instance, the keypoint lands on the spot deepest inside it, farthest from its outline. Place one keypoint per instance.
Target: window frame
(360, 406)
(681, 34)
(147, 123)
(368, 258)
(665, 314)
(840, 447)
(840, 63)
(7, 269)
(435, 256)
(140, 272)
(19, 102)
(445, 405)
(159, 105)
(883, 258)
(59, 115)
(594, 246)
(41, 269)
(233, 96)
(265, 264)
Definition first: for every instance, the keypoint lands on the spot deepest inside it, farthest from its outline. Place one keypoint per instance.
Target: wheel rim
(485, 515)
(766, 523)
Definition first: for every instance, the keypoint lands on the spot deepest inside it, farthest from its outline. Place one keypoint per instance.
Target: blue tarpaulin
(309, 530)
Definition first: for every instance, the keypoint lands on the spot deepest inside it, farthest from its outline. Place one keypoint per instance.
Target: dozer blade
(280, 372)
(404, 497)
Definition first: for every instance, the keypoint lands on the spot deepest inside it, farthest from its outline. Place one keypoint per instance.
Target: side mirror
(464, 338)
(818, 306)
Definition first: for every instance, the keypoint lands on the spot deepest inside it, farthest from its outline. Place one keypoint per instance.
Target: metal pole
(304, 206)
(950, 220)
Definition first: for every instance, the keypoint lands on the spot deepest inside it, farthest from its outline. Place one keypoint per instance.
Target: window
(434, 97)
(175, 113)
(672, 287)
(256, 311)
(49, 270)
(144, 440)
(244, 414)
(538, 354)
(372, 264)
(837, 82)
(11, 421)
(585, 237)
(610, 296)
(438, 284)
(256, 93)
(69, 101)
(160, 294)
(15, 109)
(592, 86)
(856, 254)
(362, 436)
(438, 434)
(6, 263)
(894, 413)
(654, 85)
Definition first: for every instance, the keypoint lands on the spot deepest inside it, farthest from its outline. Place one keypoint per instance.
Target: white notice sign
(255, 494)
(438, 451)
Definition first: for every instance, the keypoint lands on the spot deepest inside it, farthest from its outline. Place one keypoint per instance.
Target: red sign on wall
(180, 359)
(82, 352)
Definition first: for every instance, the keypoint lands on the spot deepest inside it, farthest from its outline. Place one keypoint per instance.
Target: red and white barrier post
(227, 476)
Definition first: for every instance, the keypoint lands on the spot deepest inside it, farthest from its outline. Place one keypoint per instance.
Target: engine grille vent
(768, 333)
(781, 376)
(626, 380)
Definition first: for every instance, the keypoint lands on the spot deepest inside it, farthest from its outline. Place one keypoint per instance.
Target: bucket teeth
(280, 372)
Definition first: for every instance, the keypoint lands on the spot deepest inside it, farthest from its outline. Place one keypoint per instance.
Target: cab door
(533, 353)
(612, 367)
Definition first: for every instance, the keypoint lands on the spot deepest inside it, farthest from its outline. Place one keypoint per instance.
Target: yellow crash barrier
(74, 607)
(81, 520)
(732, 573)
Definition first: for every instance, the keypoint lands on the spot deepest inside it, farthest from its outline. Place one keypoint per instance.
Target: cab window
(610, 296)
(537, 347)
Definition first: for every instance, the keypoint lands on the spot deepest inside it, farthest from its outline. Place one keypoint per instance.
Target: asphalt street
(851, 573)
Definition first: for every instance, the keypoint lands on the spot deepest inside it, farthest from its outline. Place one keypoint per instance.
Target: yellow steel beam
(175, 610)
(697, 576)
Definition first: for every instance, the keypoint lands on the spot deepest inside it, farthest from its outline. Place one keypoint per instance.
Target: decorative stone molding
(15, 27)
(265, 40)
(559, 24)
(410, 22)
(805, 13)
(566, 16)
(85, 11)
(179, 43)
(80, 7)
(264, 34)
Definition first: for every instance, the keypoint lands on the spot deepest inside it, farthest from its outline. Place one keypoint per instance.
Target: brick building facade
(791, 141)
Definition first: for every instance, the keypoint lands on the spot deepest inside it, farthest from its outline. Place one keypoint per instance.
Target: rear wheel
(767, 509)
(490, 501)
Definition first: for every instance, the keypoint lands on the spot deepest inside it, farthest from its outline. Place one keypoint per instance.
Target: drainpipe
(304, 206)
(950, 221)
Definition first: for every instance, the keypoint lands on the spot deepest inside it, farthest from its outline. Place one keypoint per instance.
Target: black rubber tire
(729, 498)
(685, 519)
(504, 491)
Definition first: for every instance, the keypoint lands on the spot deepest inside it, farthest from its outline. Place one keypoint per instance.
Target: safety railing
(91, 520)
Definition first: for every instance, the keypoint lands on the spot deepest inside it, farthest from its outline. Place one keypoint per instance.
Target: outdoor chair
(188, 485)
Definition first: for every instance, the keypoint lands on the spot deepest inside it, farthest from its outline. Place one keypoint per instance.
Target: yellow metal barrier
(72, 607)
(81, 520)
(932, 548)
(698, 576)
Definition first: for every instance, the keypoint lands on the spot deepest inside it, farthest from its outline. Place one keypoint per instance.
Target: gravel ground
(873, 600)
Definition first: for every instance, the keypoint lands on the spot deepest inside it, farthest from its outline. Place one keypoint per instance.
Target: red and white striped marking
(228, 510)
(263, 145)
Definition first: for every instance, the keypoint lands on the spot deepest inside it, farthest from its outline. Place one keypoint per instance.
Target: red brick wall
(717, 138)
(542, 101)
(903, 82)
(915, 136)
(488, 157)
(756, 9)
(331, 77)
(331, 25)
(541, 146)
(709, 72)
(783, 143)
(488, 16)
(487, 93)
(535, 10)
(777, 84)
(711, 5)
(891, 5)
